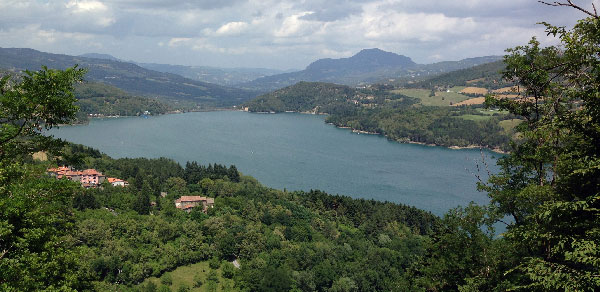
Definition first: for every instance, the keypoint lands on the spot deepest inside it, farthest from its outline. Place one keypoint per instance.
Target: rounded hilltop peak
(367, 60)
(383, 57)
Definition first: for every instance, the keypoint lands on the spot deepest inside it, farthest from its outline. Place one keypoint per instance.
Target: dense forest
(57, 236)
(377, 109)
(486, 75)
(129, 77)
(283, 239)
(106, 100)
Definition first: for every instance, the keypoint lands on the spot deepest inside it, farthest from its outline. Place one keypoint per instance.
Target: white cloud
(274, 33)
(86, 6)
(232, 28)
(295, 25)
(174, 42)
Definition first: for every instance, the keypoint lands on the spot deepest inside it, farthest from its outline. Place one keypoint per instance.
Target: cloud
(232, 28)
(274, 33)
(174, 42)
(174, 4)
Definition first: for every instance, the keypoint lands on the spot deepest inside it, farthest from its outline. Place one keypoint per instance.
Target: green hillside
(486, 75)
(106, 100)
(129, 77)
(304, 97)
(402, 115)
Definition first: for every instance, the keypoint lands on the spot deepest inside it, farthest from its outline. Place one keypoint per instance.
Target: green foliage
(131, 78)
(197, 281)
(214, 263)
(550, 184)
(40, 100)
(376, 109)
(312, 237)
(227, 270)
(106, 100)
(166, 279)
(488, 75)
(429, 125)
(142, 202)
(37, 250)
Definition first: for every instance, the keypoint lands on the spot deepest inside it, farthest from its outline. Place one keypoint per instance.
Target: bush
(227, 270)
(166, 279)
(197, 281)
(214, 263)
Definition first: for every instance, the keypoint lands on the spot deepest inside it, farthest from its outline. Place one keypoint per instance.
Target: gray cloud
(274, 33)
(174, 4)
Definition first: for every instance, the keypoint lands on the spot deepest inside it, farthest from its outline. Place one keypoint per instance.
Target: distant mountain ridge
(216, 75)
(129, 77)
(368, 60)
(367, 66)
(101, 56)
(221, 76)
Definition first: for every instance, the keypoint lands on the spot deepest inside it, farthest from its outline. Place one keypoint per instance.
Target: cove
(298, 152)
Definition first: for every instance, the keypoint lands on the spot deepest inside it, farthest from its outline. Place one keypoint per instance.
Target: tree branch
(571, 4)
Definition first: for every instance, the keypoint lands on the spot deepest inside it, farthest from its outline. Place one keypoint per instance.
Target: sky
(281, 34)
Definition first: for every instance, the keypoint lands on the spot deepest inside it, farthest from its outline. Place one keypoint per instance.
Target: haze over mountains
(220, 87)
(129, 77)
(367, 66)
(221, 76)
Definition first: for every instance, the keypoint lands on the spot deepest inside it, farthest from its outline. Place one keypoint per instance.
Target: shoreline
(453, 147)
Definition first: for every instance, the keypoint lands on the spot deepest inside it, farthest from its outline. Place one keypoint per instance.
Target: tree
(41, 100)
(550, 183)
(36, 219)
(142, 201)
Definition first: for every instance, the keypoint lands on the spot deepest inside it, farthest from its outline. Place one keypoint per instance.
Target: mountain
(364, 65)
(96, 98)
(487, 75)
(129, 77)
(367, 66)
(100, 56)
(303, 97)
(221, 76)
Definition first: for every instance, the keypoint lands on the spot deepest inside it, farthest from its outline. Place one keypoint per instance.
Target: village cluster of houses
(89, 178)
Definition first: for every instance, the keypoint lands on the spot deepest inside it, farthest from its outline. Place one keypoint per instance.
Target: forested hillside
(282, 239)
(379, 109)
(105, 100)
(58, 235)
(486, 75)
(129, 77)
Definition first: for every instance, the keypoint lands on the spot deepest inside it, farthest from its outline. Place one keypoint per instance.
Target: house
(92, 177)
(187, 203)
(89, 178)
(116, 182)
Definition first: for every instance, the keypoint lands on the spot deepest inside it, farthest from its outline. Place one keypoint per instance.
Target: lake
(297, 152)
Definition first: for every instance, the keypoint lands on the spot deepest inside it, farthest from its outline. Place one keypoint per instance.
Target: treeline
(107, 100)
(430, 125)
(376, 109)
(302, 97)
(487, 75)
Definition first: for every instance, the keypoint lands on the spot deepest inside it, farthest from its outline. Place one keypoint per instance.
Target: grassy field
(492, 112)
(475, 117)
(474, 90)
(441, 98)
(186, 276)
(486, 114)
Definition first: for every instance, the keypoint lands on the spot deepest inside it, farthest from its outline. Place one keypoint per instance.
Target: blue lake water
(297, 152)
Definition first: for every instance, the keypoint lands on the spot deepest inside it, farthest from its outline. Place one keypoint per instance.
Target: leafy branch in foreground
(550, 184)
(35, 214)
(41, 100)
